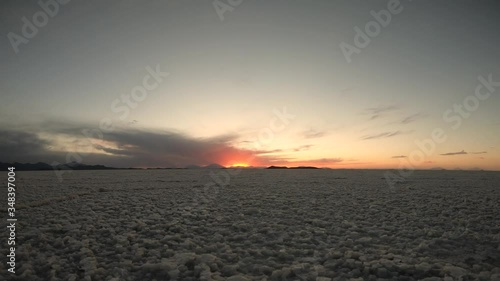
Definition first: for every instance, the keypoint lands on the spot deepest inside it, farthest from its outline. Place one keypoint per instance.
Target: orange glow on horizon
(239, 165)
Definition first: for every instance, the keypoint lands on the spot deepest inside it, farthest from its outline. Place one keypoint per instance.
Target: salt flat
(264, 225)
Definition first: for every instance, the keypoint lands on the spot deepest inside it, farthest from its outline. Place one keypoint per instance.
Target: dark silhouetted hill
(214, 166)
(277, 167)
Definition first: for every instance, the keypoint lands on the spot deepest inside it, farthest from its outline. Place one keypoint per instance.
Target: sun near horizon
(239, 165)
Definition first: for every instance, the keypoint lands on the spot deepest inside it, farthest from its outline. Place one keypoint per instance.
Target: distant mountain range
(285, 167)
(40, 166)
(210, 166)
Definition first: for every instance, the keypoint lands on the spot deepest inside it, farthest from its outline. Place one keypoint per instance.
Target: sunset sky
(263, 83)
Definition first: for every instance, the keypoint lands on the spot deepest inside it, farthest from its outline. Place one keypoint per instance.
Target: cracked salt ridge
(266, 225)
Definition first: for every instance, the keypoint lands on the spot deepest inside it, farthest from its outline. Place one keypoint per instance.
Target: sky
(339, 84)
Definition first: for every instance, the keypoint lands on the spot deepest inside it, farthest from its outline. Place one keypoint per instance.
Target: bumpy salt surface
(265, 225)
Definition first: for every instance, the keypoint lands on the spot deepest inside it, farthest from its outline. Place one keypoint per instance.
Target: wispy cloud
(379, 111)
(454, 153)
(412, 118)
(345, 93)
(399, 156)
(384, 135)
(320, 161)
(327, 160)
(311, 133)
(303, 147)
(268, 151)
(463, 152)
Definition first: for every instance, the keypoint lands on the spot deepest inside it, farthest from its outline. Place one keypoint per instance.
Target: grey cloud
(16, 145)
(123, 147)
(399, 156)
(184, 149)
